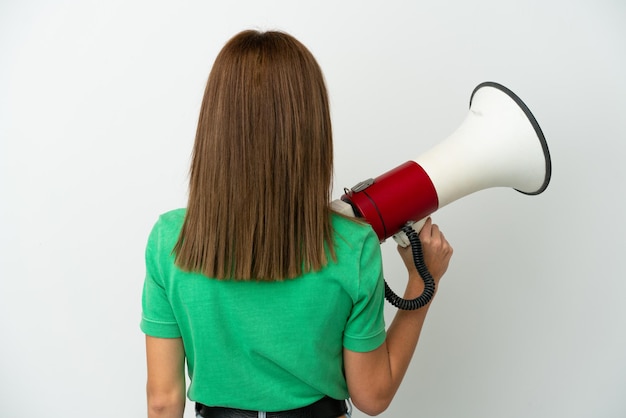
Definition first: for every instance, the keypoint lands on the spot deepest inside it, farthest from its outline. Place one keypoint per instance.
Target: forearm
(403, 334)
(379, 373)
(374, 377)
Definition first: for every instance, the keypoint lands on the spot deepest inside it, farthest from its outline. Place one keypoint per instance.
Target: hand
(437, 252)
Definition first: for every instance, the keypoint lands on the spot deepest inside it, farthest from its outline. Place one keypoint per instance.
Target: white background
(98, 106)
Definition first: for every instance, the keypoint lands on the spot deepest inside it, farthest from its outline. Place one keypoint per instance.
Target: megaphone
(499, 144)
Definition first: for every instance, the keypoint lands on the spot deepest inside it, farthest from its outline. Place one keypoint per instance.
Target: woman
(274, 302)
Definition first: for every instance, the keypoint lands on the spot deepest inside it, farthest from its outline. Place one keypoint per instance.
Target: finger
(435, 233)
(426, 229)
(446, 244)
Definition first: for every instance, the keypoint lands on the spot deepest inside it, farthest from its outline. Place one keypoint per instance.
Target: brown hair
(261, 169)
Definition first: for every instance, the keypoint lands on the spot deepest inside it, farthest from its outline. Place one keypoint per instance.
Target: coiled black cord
(429, 282)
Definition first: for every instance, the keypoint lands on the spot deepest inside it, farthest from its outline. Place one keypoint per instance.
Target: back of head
(262, 164)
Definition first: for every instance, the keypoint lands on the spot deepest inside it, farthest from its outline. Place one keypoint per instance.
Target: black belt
(324, 408)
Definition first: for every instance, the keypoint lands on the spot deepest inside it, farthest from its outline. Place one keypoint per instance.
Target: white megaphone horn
(499, 144)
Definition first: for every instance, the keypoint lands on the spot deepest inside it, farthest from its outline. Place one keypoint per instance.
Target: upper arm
(368, 376)
(166, 370)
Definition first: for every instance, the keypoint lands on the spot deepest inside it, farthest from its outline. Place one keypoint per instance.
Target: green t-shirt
(267, 346)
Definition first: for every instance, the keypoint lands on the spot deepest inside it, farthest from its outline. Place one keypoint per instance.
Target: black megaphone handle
(429, 282)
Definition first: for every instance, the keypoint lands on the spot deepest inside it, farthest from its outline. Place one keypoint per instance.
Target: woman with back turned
(274, 301)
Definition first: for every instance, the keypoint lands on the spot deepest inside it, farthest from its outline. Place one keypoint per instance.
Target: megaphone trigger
(402, 239)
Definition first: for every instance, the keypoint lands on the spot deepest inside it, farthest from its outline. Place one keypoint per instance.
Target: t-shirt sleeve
(157, 319)
(365, 330)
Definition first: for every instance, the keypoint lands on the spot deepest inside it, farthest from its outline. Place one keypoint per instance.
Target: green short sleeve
(158, 319)
(365, 330)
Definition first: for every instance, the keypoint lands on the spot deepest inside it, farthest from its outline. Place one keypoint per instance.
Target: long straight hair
(261, 170)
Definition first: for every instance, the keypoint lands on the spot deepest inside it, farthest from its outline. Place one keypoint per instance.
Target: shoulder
(345, 224)
(174, 215)
(352, 232)
(167, 227)
(171, 220)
